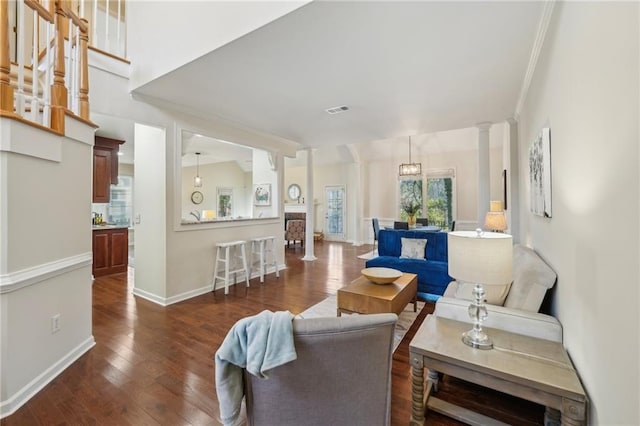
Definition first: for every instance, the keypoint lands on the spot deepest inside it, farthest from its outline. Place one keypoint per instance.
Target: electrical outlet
(55, 323)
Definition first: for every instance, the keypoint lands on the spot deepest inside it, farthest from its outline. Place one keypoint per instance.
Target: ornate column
(84, 71)
(58, 89)
(484, 187)
(308, 232)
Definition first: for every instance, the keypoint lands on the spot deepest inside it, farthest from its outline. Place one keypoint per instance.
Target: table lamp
(495, 220)
(480, 258)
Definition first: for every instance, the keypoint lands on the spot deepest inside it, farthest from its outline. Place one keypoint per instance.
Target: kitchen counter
(98, 227)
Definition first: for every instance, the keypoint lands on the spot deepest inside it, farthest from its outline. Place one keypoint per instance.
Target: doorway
(335, 212)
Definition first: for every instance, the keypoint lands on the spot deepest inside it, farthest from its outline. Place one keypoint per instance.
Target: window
(441, 197)
(411, 196)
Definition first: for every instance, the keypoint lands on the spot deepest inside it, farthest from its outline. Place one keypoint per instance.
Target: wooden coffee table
(364, 297)
(533, 369)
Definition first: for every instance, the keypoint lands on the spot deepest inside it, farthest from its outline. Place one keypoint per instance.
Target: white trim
(21, 138)
(545, 19)
(150, 297)
(166, 301)
(12, 404)
(108, 64)
(13, 281)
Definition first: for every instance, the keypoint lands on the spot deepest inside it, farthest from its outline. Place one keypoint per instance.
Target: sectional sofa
(431, 268)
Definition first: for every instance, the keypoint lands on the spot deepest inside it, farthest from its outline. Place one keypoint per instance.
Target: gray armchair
(342, 375)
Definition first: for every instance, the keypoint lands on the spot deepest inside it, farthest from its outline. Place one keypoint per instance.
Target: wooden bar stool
(262, 248)
(233, 250)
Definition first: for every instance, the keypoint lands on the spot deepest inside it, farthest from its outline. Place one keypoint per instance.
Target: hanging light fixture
(410, 169)
(197, 180)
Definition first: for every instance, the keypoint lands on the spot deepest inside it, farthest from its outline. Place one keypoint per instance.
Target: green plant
(410, 207)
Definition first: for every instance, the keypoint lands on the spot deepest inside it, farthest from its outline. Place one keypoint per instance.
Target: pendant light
(410, 169)
(197, 180)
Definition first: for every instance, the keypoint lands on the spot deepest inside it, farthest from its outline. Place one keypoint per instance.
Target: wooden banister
(40, 9)
(84, 71)
(6, 91)
(50, 104)
(81, 23)
(58, 89)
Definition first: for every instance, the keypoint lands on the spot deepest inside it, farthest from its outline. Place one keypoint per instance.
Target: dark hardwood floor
(154, 365)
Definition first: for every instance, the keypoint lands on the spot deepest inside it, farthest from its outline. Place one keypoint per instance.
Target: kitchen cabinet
(110, 251)
(105, 167)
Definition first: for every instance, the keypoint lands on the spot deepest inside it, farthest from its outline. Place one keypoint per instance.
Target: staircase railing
(50, 39)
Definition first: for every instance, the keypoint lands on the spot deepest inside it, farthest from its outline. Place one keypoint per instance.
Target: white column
(513, 181)
(484, 188)
(356, 195)
(308, 233)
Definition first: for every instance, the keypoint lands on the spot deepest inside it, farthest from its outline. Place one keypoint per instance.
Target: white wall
(150, 213)
(456, 149)
(263, 174)
(173, 33)
(45, 259)
(219, 175)
(586, 89)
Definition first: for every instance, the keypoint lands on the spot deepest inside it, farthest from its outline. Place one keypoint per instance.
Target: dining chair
(376, 231)
(400, 225)
(423, 221)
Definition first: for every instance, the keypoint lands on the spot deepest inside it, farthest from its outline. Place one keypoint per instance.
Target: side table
(537, 370)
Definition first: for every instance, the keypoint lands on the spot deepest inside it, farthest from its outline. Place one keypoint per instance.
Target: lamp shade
(495, 206)
(481, 258)
(495, 221)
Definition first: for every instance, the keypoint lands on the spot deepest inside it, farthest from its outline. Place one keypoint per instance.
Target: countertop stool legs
(232, 250)
(262, 248)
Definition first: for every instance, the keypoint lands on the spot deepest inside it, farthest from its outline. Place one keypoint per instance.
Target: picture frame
(540, 174)
(224, 207)
(262, 194)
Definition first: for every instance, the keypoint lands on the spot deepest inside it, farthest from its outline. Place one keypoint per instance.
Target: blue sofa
(433, 276)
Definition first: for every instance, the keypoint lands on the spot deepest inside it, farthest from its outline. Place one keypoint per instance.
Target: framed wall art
(262, 194)
(540, 174)
(225, 202)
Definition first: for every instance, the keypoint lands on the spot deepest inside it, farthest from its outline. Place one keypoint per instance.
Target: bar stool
(230, 249)
(262, 247)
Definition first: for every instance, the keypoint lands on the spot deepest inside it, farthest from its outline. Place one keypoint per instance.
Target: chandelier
(410, 169)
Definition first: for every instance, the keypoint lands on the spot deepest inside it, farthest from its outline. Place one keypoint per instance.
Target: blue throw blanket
(257, 344)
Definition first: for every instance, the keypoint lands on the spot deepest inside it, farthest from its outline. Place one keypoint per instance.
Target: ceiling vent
(337, 110)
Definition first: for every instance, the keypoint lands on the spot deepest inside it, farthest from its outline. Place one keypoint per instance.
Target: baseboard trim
(16, 280)
(12, 404)
(166, 301)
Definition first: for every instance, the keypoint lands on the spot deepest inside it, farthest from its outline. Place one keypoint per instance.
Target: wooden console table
(533, 369)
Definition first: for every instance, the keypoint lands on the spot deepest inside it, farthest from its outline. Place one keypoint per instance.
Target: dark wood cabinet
(105, 167)
(110, 251)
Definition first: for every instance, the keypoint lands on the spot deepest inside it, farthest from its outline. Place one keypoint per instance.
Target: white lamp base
(477, 339)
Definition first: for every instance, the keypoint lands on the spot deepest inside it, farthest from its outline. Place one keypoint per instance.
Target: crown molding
(545, 19)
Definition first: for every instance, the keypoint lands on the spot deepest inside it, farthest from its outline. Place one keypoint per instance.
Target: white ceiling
(403, 68)
(214, 151)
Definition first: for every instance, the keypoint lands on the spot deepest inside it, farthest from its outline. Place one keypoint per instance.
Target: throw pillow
(413, 248)
(494, 294)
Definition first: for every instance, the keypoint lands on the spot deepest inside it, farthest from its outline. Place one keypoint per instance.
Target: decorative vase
(411, 219)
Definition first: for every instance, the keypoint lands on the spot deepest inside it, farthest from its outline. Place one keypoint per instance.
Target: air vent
(337, 110)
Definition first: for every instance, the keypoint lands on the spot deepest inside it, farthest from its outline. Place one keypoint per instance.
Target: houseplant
(411, 208)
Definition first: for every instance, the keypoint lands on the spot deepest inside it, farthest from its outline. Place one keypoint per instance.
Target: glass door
(334, 212)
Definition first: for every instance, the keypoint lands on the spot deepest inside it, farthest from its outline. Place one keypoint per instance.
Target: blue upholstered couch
(433, 277)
